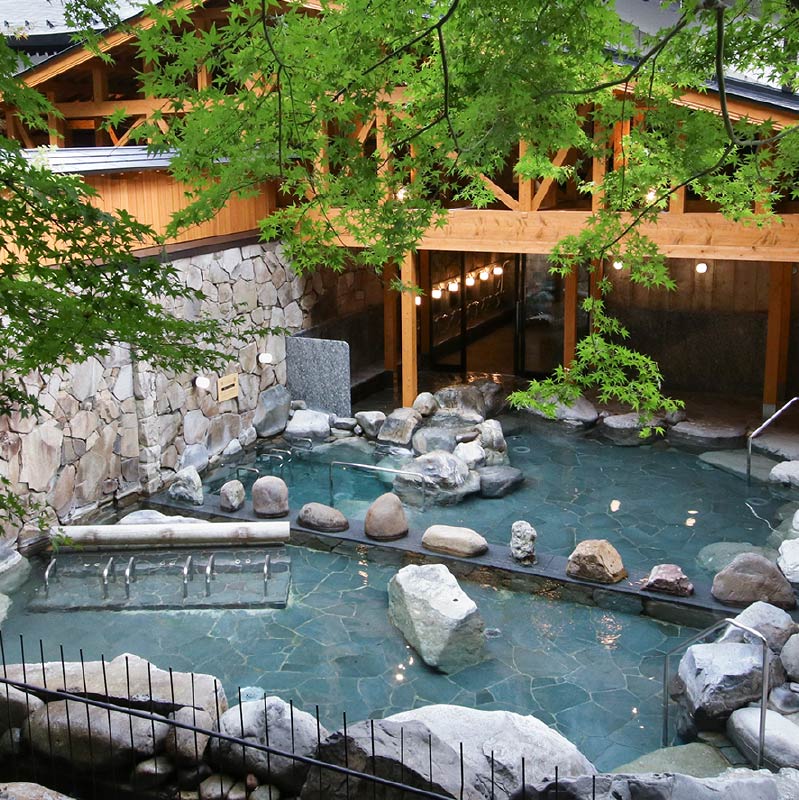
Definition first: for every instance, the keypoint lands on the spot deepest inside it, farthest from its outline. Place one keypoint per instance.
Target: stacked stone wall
(114, 427)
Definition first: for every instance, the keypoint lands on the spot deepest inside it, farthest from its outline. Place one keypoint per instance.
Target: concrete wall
(115, 427)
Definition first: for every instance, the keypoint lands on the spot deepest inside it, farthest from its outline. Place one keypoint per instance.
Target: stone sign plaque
(227, 387)
(318, 371)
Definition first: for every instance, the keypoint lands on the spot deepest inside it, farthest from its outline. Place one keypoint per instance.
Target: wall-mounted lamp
(265, 358)
(701, 267)
(436, 294)
(202, 382)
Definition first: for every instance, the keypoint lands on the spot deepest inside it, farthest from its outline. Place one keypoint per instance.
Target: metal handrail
(51, 568)
(209, 574)
(247, 469)
(757, 431)
(108, 568)
(130, 575)
(307, 443)
(267, 573)
(764, 687)
(188, 575)
(372, 468)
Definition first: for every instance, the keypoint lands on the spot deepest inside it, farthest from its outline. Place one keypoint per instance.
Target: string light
(497, 271)
(436, 294)
(484, 275)
(618, 264)
(452, 286)
(418, 300)
(469, 280)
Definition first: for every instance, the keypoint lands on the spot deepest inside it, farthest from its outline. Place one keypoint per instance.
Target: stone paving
(593, 674)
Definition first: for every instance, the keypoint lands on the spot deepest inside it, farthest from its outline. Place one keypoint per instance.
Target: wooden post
(777, 335)
(409, 360)
(525, 185)
(569, 317)
(390, 320)
(424, 308)
(55, 125)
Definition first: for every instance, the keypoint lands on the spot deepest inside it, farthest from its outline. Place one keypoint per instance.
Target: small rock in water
(596, 560)
(669, 579)
(231, 496)
(498, 481)
(320, 517)
(187, 486)
(270, 497)
(522, 542)
(385, 518)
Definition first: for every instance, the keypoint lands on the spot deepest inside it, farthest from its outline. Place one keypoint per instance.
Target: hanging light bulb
(617, 264)
(470, 280)
(497, 270)
(483, 274)
(418, 300)
(436, 294)
(701, 267)
(452, 286)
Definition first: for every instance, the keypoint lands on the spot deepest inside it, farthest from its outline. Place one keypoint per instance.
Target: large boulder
(493, 440)
(90, 737)
(471, 453)
(506, 737)
(425, 404)
(370, 422)
(716, 679)
(187, 487)
(437, 618)
(788, 560)
(790, 657)
(454, 541)
(287, 729)
(399, 427)
(780, 744)
(272, 411)
(319, 517)
(186, 747)
(308, 424)
(437, 437)
(385, 519)
(774, 623)
(750, 578)
(447, 480)
(493, 396)
(596, 560)
(464, 403)
(270, 497)
(581, 413)
(785, 473)
(17, 790)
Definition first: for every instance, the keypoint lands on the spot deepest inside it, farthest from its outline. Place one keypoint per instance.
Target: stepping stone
(734, 462)
(708, 435)
(625, 429)
(695, 759)
(499, 481)
(270, 497)
(781, 744)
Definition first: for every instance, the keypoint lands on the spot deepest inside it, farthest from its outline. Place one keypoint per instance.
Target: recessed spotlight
(202, 382)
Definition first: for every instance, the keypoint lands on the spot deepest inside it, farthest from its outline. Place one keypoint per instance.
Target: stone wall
(115, 427)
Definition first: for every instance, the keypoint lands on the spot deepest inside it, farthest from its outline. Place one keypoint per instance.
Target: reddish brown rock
(669, 579)
(596, 560)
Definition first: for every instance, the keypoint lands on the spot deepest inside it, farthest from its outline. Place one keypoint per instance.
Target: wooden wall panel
(152, 198)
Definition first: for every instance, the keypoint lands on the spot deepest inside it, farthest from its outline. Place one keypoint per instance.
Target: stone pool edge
(546, 576)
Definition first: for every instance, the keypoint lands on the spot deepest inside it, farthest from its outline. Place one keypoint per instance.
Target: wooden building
(489, 303)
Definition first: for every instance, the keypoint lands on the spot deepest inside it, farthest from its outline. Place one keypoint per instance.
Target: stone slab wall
(115, 427)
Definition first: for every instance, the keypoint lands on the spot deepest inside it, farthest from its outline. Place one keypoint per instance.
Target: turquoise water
(592, 674)
(654, 503)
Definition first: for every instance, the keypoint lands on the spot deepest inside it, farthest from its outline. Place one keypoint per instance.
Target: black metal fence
(86, 745)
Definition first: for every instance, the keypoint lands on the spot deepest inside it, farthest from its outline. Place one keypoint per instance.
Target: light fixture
(418, 300)
(618, 264)
(436, 294)
(701, 267)
(402, 193)
(469, 280)
(484, 275)
(265, 358)
(651, 196)
(497, 271)
(452, 286)
(202, 382)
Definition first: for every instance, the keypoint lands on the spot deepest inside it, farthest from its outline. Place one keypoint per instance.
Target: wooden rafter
(546, 184)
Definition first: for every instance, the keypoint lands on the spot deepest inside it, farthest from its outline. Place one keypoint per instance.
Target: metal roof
(89, 160)
(25, 19)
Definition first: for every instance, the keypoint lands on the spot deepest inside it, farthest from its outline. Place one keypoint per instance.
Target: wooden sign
(227, 387)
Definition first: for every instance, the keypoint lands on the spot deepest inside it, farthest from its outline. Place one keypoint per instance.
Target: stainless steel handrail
(372, 468)
(247, 469)
(130, 575)
(764, 682)
(757, 431)
(267, 572)
(109, 568)
(307, 443)
(209, 574)
(272, 457)
(188, 575)
(50, 571)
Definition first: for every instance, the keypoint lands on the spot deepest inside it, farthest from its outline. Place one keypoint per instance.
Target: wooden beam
(105, 108)
(390, 320)
(506, 199)
(777, 336)
(410, 366)
(526, 186)
(546, 184)
(123, 140)
(738, 109)
(677, 201)
(569, 317)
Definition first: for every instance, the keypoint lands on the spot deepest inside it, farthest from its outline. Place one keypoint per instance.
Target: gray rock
(265, 792)
(596, 560)
(320, 517)
(493, 441)
(788, 560)
(783, 699)
(668, 579)
(750, 578)
(41, 456)
(224, 428)
(716, 556)
(151, 773)
(195, 427)
(781, 744)
(345, 423)
(436, 617)
(21, 790)
(371, 422)
(216, 787)
(454, 541)
(270, 497)
(708, 435)
(499, 480)
(493, 396)
(252, 722)
(464, 403)
(149, 516)
(94, 738)
(272, 411)
(785, 473)
(399, 427)
(183, 746)
(790, 657)
(14, 569)
(625, 429)
(195, 455)
(721, 677)
(446, 479)
(232, 448)
(471, 453)
(425, 404)
(231, 496)
(696, 759)
(385, 519)
(522, 542)
(579, 413)
(435, 437)
(673, 417)
(307, 424)
(248, 436)
(187, 487)
(774, 623)
(15, 705)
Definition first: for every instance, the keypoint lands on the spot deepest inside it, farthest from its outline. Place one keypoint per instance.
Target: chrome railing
(344, 465)
(757, 431)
